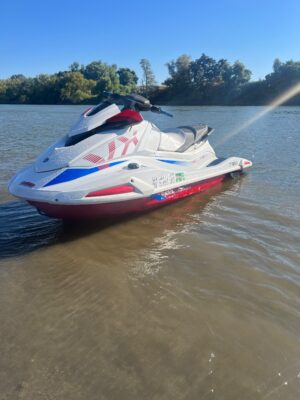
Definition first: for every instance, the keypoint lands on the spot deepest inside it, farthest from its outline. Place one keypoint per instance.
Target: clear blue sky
(47, 36)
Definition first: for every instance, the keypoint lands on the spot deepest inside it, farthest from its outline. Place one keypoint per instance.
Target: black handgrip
(156, 109)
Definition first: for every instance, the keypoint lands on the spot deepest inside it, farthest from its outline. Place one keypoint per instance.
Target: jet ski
(113, 162)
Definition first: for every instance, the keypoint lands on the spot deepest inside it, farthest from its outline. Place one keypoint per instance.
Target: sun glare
(290, 93)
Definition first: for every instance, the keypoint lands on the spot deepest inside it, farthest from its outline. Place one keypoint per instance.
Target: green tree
(205, 80)
(15, 89)
(240, 74)
(76, 88)
(148, 80)
(180, 73)
(46, 89)
(75, 67)
(97, 70)
(277, 64)
(128, 80)
(127, 77)
(3, 98)
(284, 76)
(105, 75)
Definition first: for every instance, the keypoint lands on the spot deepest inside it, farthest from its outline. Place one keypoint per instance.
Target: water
(197, 300)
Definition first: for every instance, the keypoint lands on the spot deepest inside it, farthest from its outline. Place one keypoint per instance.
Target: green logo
(180, 176)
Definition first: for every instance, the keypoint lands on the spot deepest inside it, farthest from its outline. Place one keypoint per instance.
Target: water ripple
(23, 230)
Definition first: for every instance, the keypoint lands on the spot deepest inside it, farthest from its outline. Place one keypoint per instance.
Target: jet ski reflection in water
(113, 162)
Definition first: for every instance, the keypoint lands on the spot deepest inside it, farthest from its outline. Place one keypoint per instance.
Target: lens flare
(291, 92)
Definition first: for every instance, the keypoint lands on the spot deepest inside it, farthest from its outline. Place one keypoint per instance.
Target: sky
(47, 36)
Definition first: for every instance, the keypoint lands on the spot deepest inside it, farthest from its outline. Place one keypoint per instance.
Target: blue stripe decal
(75, 173)
(174, 162)
(112, 164)
(158, 196)
(71, 174)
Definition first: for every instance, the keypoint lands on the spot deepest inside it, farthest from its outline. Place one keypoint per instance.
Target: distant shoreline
(201, 82)
(160, 104)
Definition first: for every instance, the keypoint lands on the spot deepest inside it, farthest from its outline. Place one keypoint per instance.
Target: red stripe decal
(111, 150)
(127, 142)
(93, 158)
(111, 191)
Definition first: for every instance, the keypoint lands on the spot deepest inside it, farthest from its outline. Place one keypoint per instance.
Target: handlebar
(134, 101)
(158, 110)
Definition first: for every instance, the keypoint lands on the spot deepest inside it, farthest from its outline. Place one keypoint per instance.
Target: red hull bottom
(122, 208)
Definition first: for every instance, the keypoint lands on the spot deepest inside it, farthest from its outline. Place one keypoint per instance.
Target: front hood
(94, 150)
(58, 156)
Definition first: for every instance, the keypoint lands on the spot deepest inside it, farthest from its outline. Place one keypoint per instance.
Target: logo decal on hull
(180, 176)
(167, 179)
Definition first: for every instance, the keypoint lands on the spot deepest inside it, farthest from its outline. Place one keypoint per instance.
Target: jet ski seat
(183, 137)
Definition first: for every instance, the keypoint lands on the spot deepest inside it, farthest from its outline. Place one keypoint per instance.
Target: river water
(197, 300)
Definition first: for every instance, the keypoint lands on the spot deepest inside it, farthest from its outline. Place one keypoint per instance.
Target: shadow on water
(23, 229)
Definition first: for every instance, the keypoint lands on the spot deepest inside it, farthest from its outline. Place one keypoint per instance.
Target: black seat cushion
(193, 134)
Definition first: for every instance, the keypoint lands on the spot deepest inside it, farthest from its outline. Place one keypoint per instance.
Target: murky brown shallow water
(197, 300)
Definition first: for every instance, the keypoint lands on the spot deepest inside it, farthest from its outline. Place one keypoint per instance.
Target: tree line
(203, 81)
